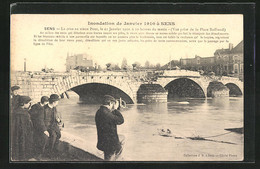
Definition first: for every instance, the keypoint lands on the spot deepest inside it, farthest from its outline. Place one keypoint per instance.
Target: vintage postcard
(127, 87)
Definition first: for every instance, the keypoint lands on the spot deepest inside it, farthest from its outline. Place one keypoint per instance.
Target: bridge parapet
(181, 73)
(227, 78)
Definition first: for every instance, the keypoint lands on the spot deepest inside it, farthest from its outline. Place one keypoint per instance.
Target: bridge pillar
(150, 93)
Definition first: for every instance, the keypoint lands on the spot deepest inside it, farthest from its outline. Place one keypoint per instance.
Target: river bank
(70, 149)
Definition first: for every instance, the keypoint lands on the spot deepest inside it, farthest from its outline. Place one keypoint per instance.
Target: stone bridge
(202, 82)
(92, 85)
(37, 84)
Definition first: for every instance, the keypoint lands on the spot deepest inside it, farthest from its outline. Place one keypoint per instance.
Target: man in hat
(50, 128)
(21, 131)
(37, 117)
(15, 97)
(107, 118)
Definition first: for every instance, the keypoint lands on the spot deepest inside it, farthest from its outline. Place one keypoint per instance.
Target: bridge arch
(234, 89)
(184, 87)
(93, 92)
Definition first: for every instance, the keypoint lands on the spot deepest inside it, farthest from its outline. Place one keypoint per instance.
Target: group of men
(35, 130)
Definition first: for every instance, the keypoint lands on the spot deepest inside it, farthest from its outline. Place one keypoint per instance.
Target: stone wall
(151, 93)
(34, 85)
(220, 93)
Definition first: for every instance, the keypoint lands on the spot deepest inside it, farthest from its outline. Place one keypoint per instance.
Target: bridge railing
(180, 73)
(220, 78)
(210, 78)
(227, 78)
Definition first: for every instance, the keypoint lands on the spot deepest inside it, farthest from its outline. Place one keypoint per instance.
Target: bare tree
(124, 64)
(147, 64)
(138, 65)
(158, 66)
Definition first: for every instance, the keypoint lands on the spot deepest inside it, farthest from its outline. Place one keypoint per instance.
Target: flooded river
(189, 118)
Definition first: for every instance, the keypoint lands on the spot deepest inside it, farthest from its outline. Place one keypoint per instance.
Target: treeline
(134, 66)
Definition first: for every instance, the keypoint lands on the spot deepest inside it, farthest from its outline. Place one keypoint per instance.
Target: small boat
(165, 133)
(239, 130)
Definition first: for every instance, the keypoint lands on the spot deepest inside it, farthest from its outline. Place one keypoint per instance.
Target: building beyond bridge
(92, 86)
(225, 62)
(79, 61)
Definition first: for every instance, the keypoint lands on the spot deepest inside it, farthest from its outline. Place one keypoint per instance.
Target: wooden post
(67, 95)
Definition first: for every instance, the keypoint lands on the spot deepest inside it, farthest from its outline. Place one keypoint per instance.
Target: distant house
(198, 63)
(224, 62)
(79, 60)
(231, 60)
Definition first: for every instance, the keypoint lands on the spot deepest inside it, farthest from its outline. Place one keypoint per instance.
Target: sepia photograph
(126, 87)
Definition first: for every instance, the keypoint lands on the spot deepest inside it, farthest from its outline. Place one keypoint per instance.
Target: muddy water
(187, 118)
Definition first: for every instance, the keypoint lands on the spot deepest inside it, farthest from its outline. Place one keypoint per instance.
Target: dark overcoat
(106, 123)
(15, 102)
(49, 120)
(37, 117)
(22, 135)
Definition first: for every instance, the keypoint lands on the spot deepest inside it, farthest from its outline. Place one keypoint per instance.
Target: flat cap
(13, 88)
(24, 99)
(108, 98)
(54, 97)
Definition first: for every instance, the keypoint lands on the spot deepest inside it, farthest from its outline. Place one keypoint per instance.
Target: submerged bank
(70, 149)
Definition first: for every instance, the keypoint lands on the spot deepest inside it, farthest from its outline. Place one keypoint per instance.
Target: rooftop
(237, 49)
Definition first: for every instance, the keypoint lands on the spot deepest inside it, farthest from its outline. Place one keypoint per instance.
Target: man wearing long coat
(14, 98)
(37, 117)
(21, 133)
(107, 118)
(49, 126)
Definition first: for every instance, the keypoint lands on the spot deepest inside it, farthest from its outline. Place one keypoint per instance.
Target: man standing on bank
(21, 131)
(37, 117)
(107, 118)
(14, 103)
(15, 97)
(50, 128)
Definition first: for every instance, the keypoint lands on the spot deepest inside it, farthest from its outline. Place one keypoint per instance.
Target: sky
(25, 26)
